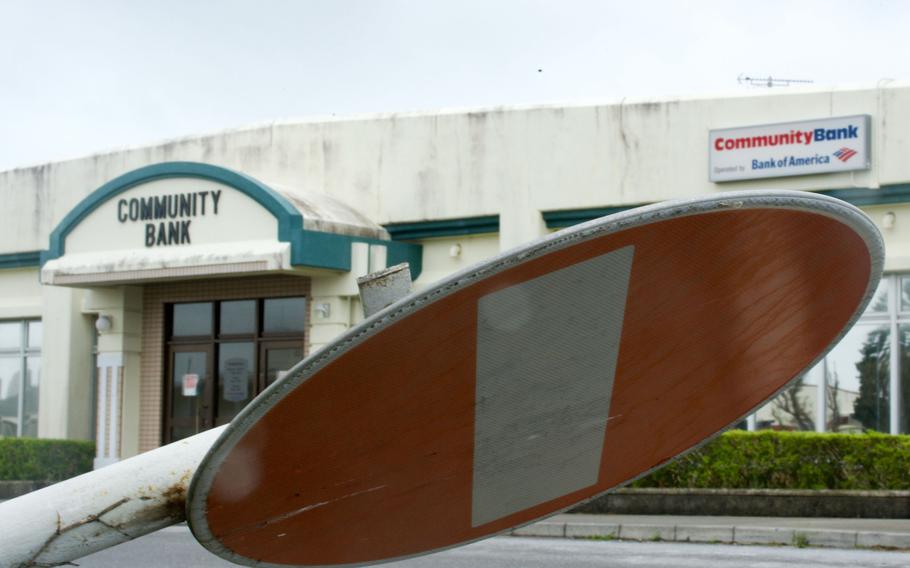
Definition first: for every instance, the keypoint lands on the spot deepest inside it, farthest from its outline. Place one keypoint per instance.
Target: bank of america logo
(845, 154)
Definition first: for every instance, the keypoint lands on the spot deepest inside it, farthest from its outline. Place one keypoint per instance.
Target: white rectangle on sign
(826, 145)
(190, 384)
(547, 350)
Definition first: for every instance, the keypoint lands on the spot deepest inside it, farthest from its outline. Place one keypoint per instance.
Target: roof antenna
(769, 81)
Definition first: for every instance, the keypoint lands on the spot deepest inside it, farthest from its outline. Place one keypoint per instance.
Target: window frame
(23, 353)
(258, 338)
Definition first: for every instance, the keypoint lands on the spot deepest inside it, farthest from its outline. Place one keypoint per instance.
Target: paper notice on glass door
(235, 380)
(190, 384)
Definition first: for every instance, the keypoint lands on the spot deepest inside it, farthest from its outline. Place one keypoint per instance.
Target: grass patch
(601, 537)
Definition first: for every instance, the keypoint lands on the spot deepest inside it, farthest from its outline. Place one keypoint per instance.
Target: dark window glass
(192, 319)
(238, 317)
(284, 315)
(278, 360)
(181, 432)
(188, 388)
(222, 354)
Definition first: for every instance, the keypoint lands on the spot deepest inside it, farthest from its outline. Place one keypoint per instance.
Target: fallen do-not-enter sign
(534, 381)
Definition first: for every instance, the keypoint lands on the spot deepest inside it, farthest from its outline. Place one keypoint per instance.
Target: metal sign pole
(102, 508)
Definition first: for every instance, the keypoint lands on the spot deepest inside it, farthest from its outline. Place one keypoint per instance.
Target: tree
(790, 404)
(831, 399)
(871, 407)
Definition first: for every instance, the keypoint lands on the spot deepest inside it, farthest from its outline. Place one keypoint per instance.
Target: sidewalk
(788, 531)
(828, 532)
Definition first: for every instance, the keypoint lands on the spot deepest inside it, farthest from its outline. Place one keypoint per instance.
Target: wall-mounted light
(455, 250)
(888, 220)
(104, 324)
(323, 310)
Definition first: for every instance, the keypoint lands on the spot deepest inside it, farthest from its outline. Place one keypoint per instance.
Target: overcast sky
(80, 77)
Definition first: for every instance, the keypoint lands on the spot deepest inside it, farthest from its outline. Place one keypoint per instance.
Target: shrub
(791, 460)
(44, 460)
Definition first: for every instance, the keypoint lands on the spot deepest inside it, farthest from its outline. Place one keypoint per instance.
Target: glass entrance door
(191, 390)
(236, 379)
(222, 353)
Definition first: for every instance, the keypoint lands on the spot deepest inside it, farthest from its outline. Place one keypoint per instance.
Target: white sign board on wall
(826, 145)
(172, 212)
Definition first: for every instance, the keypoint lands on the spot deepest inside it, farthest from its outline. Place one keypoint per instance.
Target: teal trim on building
(857, 196)
(406, 252)
(568, 217)
(863, 196)
(308, 248)
(444, 228)
(31, 259)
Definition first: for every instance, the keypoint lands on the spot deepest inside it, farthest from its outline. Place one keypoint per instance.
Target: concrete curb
(822, 503)
(829, 538)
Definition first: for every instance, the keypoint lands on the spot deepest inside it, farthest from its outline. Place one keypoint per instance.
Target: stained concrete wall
(20, 293)
(510, 161)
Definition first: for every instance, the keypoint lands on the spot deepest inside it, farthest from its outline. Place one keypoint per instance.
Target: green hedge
(735, 460)
(44, 460)
(791, 460)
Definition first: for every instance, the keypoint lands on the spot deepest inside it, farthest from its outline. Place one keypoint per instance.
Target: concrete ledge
(828, 539)
(762, 535)
(647, 532)
(704, 534)
(752, 502)
(543, 528)
(882, 540)
(591, 528)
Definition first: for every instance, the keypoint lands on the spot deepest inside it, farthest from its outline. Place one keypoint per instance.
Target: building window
(792, 409)
(865, 378)
(221, 354)
(20, 377)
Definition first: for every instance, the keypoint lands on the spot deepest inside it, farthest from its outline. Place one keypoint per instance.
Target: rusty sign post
(102, 508)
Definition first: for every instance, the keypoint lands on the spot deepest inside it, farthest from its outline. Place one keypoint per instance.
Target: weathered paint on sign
(401, 437)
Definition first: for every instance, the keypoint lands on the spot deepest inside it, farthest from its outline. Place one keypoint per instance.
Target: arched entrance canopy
(181, 219)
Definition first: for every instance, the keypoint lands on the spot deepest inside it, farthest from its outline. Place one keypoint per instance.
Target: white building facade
(150, 293)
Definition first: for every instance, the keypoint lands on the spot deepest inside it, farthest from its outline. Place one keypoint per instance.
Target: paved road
(175, 547)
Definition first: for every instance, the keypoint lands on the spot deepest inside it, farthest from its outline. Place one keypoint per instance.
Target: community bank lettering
(803, 137)
(157, 211)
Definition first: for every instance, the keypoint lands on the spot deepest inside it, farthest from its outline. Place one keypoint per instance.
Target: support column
(64, 406)
(519, 223)
(117, 385)
(109, 422)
